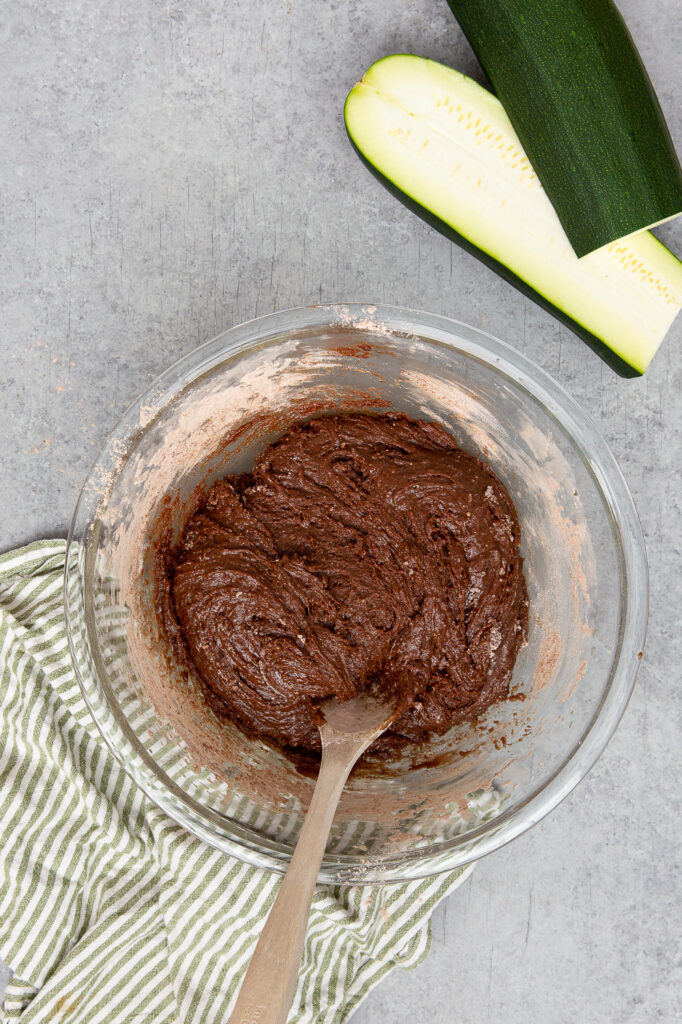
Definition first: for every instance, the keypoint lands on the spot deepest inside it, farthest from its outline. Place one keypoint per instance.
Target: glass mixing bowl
(466, 793)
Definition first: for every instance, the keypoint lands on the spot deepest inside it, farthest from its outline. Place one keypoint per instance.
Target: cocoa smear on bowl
(215, 748)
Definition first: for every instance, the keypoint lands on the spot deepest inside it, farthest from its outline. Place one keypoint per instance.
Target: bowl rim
(599, 461)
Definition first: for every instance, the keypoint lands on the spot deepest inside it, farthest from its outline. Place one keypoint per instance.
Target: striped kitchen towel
(109, 911)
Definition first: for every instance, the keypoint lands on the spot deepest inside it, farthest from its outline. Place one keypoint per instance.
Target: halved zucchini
(448, 148)
(575, 90)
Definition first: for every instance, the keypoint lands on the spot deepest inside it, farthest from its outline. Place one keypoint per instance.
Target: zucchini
(574, 88)
(445, 145)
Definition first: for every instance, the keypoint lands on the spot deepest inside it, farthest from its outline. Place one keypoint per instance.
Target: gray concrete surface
(169, 169)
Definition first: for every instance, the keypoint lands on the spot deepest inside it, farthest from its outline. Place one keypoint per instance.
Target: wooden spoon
(268, 987)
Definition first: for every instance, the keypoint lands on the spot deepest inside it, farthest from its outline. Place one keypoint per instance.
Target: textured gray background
(169, 169)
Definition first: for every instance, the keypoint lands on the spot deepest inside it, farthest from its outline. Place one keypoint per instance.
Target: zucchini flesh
(579, 98)
(447, 147)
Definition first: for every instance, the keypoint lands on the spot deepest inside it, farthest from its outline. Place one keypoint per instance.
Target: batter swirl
(361, 550)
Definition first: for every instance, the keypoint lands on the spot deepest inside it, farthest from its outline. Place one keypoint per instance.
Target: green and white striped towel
(112, 913)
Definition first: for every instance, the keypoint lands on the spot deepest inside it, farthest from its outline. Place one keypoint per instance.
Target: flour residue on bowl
(216, 424)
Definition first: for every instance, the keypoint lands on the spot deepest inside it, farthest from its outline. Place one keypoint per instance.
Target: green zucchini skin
(578, 96)
(620, 366)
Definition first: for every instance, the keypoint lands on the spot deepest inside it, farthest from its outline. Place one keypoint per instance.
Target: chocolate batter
(362, 550)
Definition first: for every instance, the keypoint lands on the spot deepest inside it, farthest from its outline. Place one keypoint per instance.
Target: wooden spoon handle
(270, 981)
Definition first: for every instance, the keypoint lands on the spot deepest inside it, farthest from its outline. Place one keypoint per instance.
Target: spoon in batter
(268, 987)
